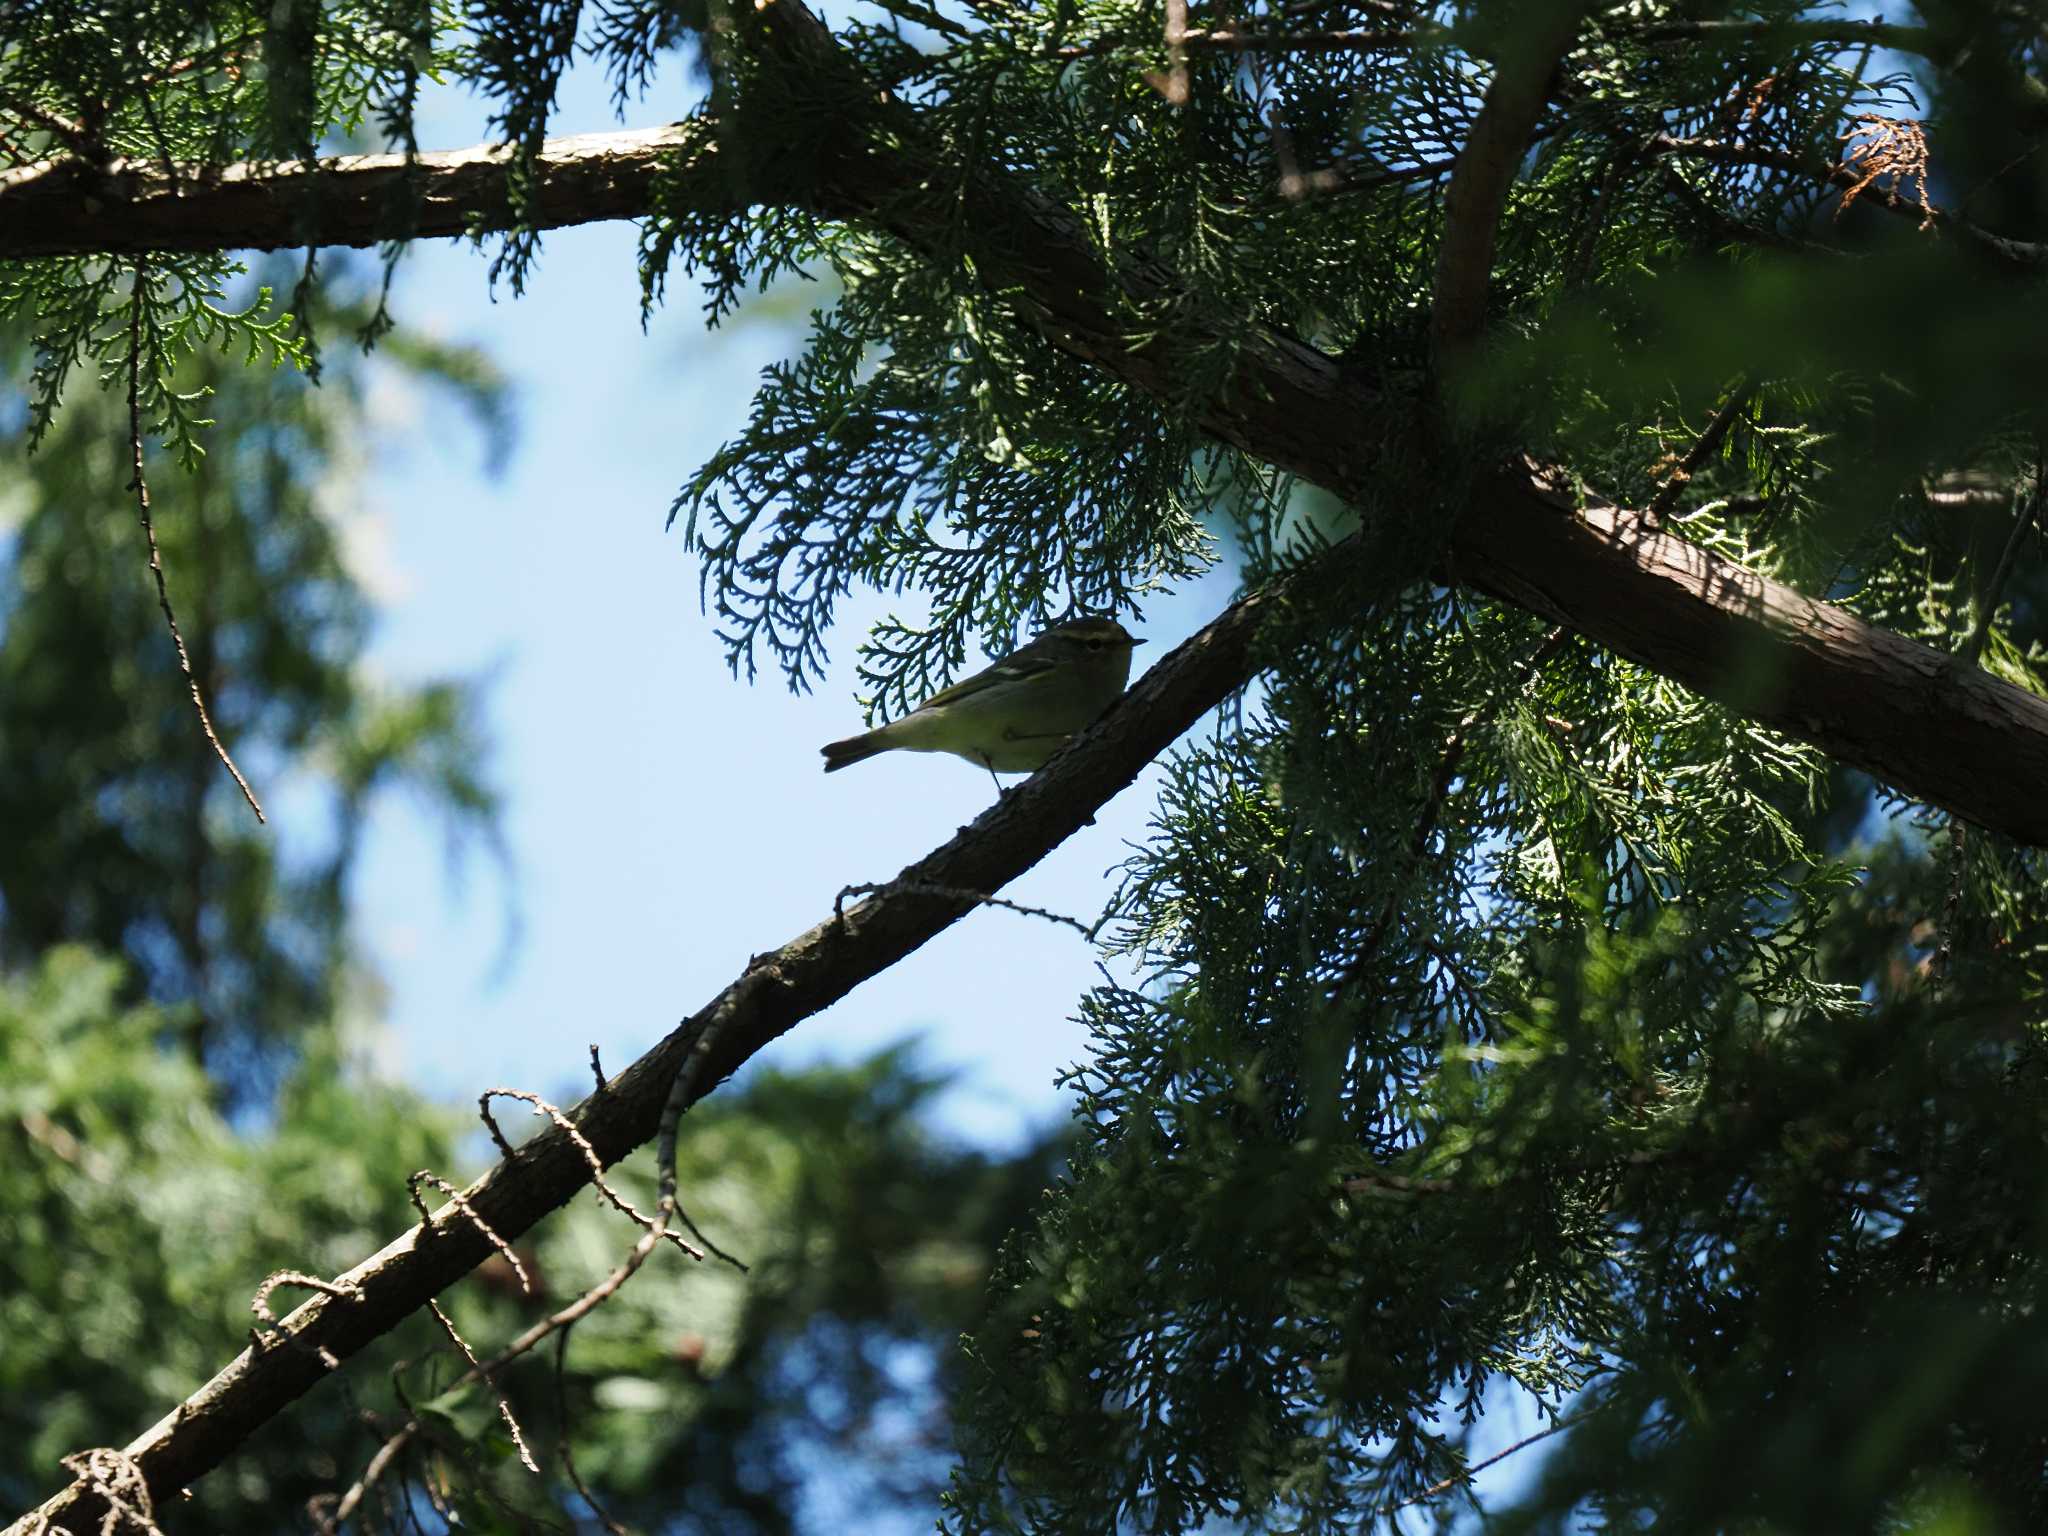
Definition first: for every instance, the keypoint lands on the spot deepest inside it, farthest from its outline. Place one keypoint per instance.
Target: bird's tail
(839, 754)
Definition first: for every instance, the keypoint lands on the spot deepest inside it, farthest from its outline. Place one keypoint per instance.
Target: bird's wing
(1020, 668)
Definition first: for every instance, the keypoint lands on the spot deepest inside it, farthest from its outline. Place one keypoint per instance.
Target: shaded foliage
(124, 833)
(1511, 1023)
(138, 1225)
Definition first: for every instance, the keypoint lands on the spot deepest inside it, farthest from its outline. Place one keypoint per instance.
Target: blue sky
(665, 820)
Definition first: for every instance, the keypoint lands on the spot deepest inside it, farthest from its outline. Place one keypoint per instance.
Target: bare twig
(1477, 1467)
(485, 1373)
(954, 893)
(372, 1474)
(655, 1231)
(568, 1128)
(2017, 253)
(708, 1245)
(604, 1516)
(119, 1482)
(483, 1111)
(269, 1326)
(1704, 447)
(596, 1067)
(140, 486)
(682, 1093)
(456, 1198)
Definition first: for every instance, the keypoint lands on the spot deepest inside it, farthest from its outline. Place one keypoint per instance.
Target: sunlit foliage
(1512, 1024)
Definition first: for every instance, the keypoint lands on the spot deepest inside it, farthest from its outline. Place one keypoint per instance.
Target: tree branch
(2022, 255)
(1875, 700)
(1704, 447)
(1903, 712)
(1833, 31)
(1944, 49)
(1478, 192)
(65, 208)
(140, 486)
(776, 991)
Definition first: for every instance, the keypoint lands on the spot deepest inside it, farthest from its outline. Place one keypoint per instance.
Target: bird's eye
(1095, 643)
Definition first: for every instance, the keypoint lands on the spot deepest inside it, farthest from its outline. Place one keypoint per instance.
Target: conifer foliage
(1535, 1009)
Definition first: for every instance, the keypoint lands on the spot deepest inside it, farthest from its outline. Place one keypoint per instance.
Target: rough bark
(1487, 165)
(1915, 717)
(776, 991)
(1904, 712)
(67, 208)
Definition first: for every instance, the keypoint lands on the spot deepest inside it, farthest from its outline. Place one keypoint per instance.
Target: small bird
(1017, 712)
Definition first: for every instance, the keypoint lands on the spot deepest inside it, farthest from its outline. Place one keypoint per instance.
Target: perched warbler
(1015, 714)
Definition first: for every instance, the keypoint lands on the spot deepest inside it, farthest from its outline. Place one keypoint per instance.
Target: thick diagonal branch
(778, 990)
(1906, 713)
(1901, 711)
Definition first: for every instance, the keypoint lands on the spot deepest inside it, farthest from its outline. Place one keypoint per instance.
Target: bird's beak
(1136, 641)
